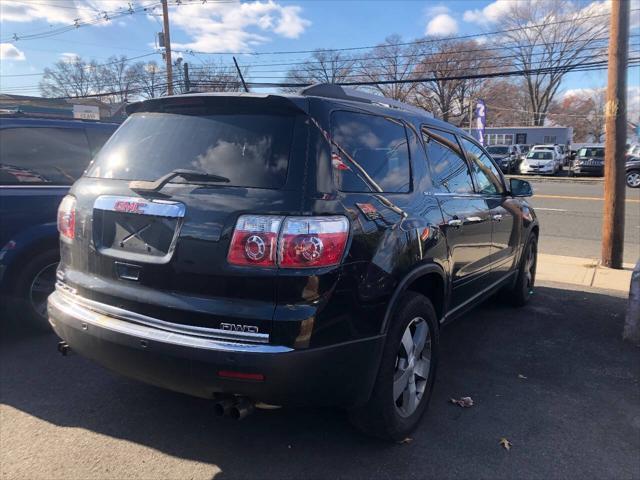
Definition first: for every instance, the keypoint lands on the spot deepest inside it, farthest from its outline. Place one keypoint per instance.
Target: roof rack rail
(332, 90)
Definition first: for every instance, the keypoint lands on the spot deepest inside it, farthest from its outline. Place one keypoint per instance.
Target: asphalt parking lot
(576, 414)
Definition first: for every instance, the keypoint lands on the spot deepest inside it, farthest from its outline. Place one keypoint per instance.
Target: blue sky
(261, 26)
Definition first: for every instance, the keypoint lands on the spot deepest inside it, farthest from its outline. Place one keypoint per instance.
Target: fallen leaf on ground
(463, 401)
(505, 443)
(406, 440)
(521, 376)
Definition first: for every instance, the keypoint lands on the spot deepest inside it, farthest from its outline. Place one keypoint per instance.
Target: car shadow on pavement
(554, 378)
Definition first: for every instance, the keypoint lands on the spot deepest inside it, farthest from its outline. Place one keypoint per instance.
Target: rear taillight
(288, 242)
(67, 218)
(312, 241)
(255, 241)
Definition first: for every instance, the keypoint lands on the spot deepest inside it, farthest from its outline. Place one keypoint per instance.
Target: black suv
(287, 249)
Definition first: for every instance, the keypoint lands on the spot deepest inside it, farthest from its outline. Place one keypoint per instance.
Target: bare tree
(151, 79)
(450, 99)
(72, 77)
(391, 61)
(117, 75)
(507, 102)
(324, 66)
(554, 35)
(584, 111)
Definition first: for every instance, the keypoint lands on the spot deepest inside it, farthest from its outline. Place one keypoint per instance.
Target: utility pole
(616, 133)
(167, 47)
(187, 82)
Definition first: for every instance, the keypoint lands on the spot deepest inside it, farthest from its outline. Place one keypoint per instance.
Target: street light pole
(615, 132)
(167, 47)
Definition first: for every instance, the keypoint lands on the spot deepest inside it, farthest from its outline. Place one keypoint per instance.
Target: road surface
(554, 378)
(570, 214)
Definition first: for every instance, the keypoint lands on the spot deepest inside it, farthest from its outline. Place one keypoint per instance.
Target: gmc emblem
(129, 207)
(234, 327)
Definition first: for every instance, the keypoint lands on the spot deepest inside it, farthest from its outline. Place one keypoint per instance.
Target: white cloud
(441, 25)
(8, 51)
(436, 10)
(492, 13)
(235, 26)
(66, 13)
(69, 57)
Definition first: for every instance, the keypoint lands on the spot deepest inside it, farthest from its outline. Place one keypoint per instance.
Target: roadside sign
(86, 112)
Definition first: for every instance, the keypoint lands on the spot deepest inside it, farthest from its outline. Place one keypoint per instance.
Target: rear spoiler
(234, 102)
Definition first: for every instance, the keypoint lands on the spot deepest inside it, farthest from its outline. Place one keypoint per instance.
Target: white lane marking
(550, 209)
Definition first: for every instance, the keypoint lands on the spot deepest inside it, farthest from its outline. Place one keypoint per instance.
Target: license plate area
(136, 229)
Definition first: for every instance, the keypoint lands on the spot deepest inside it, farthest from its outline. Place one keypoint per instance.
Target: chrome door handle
(455, 223)
(497, 217)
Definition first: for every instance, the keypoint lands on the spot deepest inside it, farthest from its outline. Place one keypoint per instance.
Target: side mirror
(520, 188)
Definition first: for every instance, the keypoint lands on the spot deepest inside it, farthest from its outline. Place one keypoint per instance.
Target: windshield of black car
(591, 152)
(252, 150)
(498, 150)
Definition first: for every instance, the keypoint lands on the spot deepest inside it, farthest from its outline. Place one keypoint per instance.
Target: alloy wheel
(530, 266)
(41, 287)
(413, 364)
(633, 179)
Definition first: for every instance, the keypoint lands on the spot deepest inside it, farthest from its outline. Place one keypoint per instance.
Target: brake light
(312, 241)
(255, 241)
(67, 218)
(288, 242)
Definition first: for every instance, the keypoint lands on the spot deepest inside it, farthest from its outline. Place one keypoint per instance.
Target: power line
(429, 57)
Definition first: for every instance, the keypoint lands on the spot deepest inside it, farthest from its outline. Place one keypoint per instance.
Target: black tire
(522, 290)
(33, 284)
(382, 416)
(631, 177)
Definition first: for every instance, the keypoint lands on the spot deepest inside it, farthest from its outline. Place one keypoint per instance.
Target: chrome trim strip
(81, 314)
(158, 208)
(150, 322)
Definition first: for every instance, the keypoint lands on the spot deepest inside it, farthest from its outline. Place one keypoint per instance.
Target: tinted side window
(486, 174)
(55, 156)
(448, 167)
(378, 144)
(97, 138)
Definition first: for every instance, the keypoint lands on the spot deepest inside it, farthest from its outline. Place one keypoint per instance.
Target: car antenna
(246, 89)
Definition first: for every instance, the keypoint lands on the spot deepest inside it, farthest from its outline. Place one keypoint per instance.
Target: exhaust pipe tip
(222, 408)
(64, 348)
(242, 409)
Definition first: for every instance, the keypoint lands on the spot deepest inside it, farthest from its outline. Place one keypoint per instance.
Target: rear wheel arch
(428, 280)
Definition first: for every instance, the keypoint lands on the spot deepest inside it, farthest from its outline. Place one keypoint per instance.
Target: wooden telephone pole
(616, 134)
(167, 47)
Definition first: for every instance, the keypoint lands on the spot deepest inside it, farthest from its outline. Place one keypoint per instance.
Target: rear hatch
(161, 253)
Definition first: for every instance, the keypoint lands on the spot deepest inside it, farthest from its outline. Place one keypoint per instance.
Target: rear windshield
(540, 155)
(251, 150)
(591, 152)
(498, 150)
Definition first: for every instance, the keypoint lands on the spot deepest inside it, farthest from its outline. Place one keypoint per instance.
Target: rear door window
(378, 144)
(252, 150)
(448, 168)
(40, 155)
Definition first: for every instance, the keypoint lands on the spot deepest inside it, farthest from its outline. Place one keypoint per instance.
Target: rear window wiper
(189, 175)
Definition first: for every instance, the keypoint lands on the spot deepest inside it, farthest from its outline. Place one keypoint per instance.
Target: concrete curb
(586, 272)
(544, 178)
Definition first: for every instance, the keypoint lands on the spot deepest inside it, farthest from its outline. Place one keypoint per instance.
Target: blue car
(39, 160)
